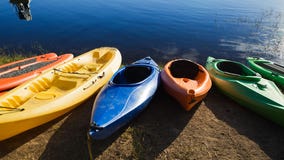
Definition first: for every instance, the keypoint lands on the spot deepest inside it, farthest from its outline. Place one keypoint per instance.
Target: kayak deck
(18, 64)
(272, 66)
(26, 69)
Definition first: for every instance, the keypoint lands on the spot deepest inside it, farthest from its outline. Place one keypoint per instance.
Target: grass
(9, 54)
(10, 58)
(13, 53)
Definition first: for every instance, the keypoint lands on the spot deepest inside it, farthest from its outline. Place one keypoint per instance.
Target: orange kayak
(15, 73)
(186, 81)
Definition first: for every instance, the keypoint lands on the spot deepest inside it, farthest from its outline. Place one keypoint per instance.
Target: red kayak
(15, 73)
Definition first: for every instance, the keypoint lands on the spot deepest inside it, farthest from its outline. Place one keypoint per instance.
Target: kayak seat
(44, 96)
(105, 58)
(91, 68)
(184, 69)
(133, 74)
(65, 83)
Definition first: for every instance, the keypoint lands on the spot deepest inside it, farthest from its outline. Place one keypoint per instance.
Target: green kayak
(247, 87)
(268, 69)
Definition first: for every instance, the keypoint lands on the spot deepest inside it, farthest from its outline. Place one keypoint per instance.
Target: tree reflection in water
(23, 9)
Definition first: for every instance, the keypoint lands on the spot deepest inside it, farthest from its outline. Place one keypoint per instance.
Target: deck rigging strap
(58, 70)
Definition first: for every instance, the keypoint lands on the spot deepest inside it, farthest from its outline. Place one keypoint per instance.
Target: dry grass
(217, 129)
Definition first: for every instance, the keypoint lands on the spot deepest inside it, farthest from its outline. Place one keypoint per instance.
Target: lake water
(162, 29)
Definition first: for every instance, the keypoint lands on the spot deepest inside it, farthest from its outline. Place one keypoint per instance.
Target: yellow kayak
(56, 91)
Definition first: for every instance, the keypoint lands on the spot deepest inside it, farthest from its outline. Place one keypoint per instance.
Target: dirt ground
(216, 129)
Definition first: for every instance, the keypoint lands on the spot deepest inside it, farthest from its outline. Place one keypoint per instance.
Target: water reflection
(164, 29)
(173, 52)
(23, 9)
(264, 37)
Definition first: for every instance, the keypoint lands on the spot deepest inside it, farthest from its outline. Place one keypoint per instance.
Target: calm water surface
(162, 29)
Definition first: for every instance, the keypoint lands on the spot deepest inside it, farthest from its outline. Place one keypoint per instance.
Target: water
(162, 29)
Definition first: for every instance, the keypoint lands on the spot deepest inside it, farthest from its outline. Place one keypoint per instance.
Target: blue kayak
(127, 93)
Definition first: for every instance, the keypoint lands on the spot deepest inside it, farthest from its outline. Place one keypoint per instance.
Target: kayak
(126, 95)
(186, 81)
(267, 69)
(56, 91)
(15, 73)
(248, 88)
(1, 93)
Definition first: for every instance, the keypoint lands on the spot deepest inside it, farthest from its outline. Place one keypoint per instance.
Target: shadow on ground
(13, 143)
(268, 135)
(149, 134)
(70, 140)
(66, 137)
(161, 124)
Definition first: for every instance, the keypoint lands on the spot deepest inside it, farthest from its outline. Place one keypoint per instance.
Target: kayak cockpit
(235, 69)
(184, 69)
(132, 74)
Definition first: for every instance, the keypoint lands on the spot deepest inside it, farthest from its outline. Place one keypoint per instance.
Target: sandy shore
(216, 129)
